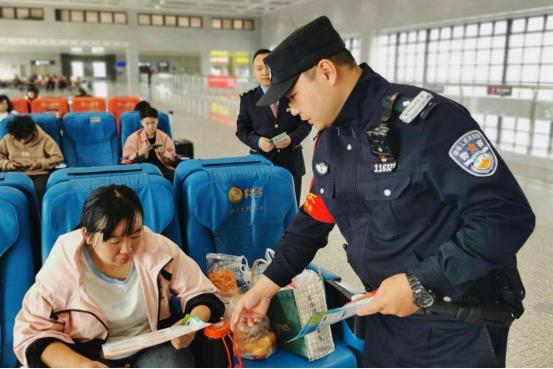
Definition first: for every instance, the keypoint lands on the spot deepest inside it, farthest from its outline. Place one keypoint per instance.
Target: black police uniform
(450, 225)
(255, 122)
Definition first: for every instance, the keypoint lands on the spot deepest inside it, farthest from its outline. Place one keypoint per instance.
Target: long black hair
(107, 206)
(6, 98)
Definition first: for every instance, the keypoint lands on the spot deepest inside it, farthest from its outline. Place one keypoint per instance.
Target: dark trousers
(432, 341)
(297, 188)
(39, 182)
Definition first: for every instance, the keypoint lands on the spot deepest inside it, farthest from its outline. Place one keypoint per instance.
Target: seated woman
(6, 107)
(151, 145)
(110, 279)
(27, 148)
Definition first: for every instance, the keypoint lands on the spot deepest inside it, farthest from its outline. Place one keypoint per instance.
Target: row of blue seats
(90, 139)
(197, 212)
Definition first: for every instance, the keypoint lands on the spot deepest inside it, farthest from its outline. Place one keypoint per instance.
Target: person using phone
(151, 145)
(27, 148)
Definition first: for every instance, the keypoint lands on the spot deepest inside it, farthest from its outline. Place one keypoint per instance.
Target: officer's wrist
(422, 297)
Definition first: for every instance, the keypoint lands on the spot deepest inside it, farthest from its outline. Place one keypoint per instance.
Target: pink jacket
(138, 140)
(56, 305)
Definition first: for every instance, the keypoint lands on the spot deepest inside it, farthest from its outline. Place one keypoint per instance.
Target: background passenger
(151, 145)
(30, 95)
(6, 107)
(257, 125)
(107, 280)
(27, 148)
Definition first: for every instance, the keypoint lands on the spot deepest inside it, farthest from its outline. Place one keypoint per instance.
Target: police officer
(430, 211)
(257, 125)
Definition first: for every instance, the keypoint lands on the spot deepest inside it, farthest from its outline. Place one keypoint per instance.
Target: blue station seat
(48, 122)
(16, 265)
(130, 123)
(90, 139)
(68, 188)
(24, 183)
(242, 206)
(238, 206)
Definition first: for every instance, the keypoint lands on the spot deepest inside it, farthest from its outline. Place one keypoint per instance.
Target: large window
(90, 16)
(353, 44)
(169, 20)
(229, 23)
(8, 12)
(509, 51)
(463, 60)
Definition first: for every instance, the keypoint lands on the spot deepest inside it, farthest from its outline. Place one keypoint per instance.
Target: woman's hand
(183, 341)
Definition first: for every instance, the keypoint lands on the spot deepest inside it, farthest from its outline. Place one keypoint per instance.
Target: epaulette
(247, 92)
(411, 108)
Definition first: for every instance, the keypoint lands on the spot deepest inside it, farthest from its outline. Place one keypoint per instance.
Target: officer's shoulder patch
(474, 154)
(247, 92)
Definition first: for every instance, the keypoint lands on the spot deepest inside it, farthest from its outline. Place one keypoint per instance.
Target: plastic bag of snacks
(257, 342)
(229, 273)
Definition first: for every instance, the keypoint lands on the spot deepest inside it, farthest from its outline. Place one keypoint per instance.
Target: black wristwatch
(422, 297)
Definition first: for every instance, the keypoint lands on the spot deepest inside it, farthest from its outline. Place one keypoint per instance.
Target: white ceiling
(249, 8)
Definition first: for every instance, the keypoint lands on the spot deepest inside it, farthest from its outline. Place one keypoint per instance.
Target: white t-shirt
(120, 301)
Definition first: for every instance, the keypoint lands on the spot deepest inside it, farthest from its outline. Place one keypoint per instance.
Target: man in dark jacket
(258, 125)
(432, 216)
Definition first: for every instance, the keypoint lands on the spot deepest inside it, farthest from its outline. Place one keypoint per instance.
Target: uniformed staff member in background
(430, 211)
(257, 125)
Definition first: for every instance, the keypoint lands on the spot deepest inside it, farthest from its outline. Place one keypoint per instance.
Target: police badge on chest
(384, 165)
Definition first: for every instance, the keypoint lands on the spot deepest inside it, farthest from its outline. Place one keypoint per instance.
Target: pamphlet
(129, 346)
(326, 318)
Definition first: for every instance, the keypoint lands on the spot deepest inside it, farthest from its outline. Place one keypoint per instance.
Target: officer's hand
(253, 305)
(394, 297)
(265, 144)
(284, 143)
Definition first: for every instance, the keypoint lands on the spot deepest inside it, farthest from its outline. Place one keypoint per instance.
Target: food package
(229, 273)
(257, 342)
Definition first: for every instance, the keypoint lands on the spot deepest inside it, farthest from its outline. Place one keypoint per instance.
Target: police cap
(297, 53)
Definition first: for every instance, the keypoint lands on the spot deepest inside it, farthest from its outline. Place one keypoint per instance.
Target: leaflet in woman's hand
(137, 343)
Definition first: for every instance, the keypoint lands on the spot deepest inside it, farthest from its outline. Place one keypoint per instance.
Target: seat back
(68, 188)
(20, 105)
(242, 206)
(48, 122)
(53, 105)
(120, 104)
(90, 139)
(16, 265)
(238, 206)
(24, 184)
(130, 123)
(83, 104)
